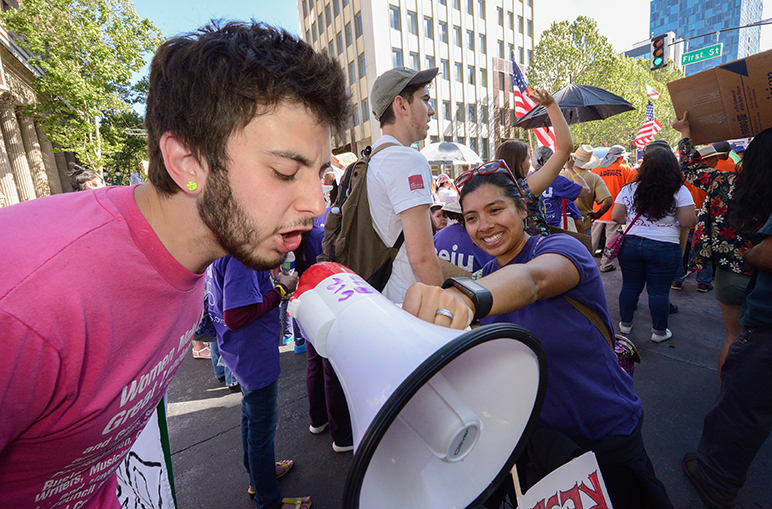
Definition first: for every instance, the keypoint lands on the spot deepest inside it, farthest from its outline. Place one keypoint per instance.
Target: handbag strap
(627, 228)
(593, 317)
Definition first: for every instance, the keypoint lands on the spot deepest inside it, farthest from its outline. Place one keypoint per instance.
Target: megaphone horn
(439, 416)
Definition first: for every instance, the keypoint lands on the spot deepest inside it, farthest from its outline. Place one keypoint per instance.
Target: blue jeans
(651, 263)
(259, 414)
(220, 369)
(704, 276)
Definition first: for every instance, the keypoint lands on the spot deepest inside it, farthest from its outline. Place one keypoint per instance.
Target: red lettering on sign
(596, 494)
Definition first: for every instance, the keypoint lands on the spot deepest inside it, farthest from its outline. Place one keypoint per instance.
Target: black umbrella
(579, 103)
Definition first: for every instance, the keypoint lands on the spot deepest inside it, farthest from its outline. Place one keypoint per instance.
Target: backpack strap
(367, 156)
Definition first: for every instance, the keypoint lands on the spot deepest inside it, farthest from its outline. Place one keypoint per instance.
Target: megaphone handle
(516, 481)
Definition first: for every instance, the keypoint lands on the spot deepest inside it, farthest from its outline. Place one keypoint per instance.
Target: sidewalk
(676, 381)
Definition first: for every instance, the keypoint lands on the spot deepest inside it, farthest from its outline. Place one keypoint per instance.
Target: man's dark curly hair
(207, 85)
(659, 179)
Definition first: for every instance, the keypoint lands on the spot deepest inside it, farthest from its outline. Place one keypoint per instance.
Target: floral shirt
(716, 242)
(536, 221)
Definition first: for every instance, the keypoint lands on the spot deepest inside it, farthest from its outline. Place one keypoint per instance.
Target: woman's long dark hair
(753, 187)
(513, 153)
(659, 179)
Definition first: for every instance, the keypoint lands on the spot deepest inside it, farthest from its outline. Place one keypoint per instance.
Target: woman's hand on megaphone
(430, 303)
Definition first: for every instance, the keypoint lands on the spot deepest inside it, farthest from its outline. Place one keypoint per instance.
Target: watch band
(479, 295)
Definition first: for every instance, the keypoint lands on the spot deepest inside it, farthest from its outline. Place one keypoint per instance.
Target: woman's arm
(578, 179)
(540, 180)
(513, 287)
(619, 213)
(687, 216)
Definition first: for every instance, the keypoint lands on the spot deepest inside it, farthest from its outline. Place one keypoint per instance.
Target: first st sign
(698, 55)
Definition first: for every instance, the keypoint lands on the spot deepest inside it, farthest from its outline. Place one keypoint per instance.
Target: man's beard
(234, 230)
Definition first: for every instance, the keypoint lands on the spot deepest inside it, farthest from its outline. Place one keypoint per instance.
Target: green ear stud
(192, 186)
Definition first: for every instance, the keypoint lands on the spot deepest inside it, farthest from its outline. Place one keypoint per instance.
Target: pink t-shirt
(96, 317)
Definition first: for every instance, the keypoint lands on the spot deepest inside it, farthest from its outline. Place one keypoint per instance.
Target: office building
(690, 18)
(470, 41)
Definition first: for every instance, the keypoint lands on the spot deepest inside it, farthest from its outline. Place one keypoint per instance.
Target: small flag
(648, 129)
(653, 94)
(523, 104)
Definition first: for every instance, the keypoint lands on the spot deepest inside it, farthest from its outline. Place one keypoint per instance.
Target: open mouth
(290, 241)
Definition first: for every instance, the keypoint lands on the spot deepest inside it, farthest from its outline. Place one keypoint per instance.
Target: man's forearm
(428, 271)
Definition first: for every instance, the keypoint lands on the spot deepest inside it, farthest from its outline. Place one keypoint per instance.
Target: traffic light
(659, 50)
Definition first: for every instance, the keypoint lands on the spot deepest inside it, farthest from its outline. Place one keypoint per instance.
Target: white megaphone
(438, 416)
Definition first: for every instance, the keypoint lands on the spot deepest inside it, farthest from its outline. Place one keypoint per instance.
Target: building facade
(690, 18)
(29, 167)
(470, 41)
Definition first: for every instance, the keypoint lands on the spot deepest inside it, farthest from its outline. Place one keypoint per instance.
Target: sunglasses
(487, 169)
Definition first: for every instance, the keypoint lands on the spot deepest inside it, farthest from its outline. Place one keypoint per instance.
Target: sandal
(204, 353)
(285, 465)
(297, 502)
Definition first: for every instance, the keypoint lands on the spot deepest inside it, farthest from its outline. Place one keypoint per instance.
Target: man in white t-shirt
(399, 180)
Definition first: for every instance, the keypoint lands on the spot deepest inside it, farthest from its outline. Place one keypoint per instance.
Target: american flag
(523, 104)
(648, 129)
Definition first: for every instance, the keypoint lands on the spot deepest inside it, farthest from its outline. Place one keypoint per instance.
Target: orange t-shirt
(726, 165)
(615, 177)
(698, 195)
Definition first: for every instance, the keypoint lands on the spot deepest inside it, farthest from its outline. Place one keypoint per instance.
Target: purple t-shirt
(251, 352)
(454, 245)
(588, 397)
(553, 197)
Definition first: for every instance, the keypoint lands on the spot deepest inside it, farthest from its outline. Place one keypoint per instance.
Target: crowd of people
(239, 119)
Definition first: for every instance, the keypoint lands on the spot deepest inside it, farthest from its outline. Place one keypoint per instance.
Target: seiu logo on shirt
(415, 182)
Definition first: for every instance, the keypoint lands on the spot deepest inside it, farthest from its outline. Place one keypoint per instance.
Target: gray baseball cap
(389, 84)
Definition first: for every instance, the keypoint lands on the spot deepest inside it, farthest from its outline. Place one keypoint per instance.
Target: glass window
(500, 16)
(331, 48)
(365, 110)
(510, 51)
(512, 117)
(308, 36)
(351, 74)
(443, 2)
(459, 76)
(320, 24)
(530, 28)
(484, 77)
(470, 7)
(501, 82)
(358, 25)
(443, 32)
(345, 3)
(459, 112)
(361, 66)
(457, 4)
(445, 69)
(481, 8)
(470, 40)
(433, 104)
(394, 17)
(349, 39)
(412, 23)
(305, 9)
(503, 116)
(447, 138)
(313, 32)
(522, 55)
(335, 7)
(484, 149)
(428, 28)
(473, 144)
(457, 35)
(434, 139)
(429, 61)
(511, 17)
(339, 38)
(483, 48)
(356, 116)
(470, 74)
(462, 140)
(414, 63)
(396, 57)
(472, 111)
(501, 49)
(327, 14)
(520, 24)
(446, 110)
(484, 113)
(530, 56)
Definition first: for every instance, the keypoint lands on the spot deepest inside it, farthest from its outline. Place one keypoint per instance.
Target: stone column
(64, 170)
(31, 144)
(15, 148)
(7, 180)
(49, 162)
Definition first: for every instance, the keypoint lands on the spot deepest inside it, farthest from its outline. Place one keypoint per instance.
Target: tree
(87, 50)
(577, 53)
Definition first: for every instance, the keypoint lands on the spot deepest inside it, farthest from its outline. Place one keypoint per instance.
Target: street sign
(698, 55)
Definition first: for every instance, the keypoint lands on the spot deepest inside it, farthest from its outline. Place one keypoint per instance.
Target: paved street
(677, 382)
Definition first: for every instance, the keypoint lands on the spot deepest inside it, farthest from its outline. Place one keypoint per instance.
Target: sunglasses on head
(487, 169)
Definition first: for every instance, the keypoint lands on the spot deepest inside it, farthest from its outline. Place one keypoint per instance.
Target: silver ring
(444, 312)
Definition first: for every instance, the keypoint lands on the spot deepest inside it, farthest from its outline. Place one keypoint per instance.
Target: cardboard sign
(729, 101)
(576, 485)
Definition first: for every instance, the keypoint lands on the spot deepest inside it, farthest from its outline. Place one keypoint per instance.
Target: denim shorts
(730, 286)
